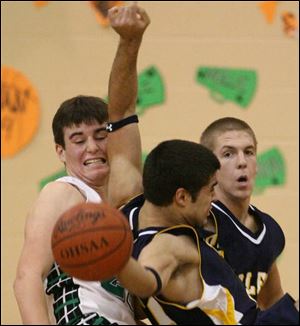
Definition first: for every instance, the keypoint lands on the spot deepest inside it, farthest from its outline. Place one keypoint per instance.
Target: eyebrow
(80, 133)
(233, 147)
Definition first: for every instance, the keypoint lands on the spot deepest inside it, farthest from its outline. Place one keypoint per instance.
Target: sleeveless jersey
(83, 302)
(224, 299)
(249, 254)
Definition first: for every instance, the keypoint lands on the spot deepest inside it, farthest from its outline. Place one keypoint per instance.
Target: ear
(60, 153)
(182, 197)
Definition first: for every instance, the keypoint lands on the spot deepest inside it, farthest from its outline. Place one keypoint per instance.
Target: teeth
(94, 161)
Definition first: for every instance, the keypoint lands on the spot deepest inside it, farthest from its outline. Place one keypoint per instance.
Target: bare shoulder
(53, 200)
(61, 192)
(182, 247)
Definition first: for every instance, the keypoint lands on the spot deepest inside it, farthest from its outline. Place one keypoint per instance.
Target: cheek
(253, 167)
(222, 175)
(73, 156)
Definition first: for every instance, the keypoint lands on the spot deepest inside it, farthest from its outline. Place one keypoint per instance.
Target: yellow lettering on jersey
(251, 290)
(261, 279)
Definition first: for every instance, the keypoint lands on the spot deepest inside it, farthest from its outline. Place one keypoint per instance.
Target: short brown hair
(77, 110)
(222, 125)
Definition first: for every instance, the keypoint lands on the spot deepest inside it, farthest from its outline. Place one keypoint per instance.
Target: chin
(100, 175)
(243, 195)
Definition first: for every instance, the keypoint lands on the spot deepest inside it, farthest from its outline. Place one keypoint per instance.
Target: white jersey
(77, 302)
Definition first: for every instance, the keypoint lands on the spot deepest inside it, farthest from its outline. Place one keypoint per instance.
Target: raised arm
(124, 144)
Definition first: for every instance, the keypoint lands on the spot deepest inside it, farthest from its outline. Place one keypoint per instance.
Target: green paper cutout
(271, 170)
(52, 177)
(151, 90)
(236, 85)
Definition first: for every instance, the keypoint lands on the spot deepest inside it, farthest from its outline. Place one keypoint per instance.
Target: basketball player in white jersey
(80, 135)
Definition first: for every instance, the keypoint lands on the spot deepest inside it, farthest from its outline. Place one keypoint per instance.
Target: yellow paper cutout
(268, 8)
(40, 4)
(20, 111)
(101, 8)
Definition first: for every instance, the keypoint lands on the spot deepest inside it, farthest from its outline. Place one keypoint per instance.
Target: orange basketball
(92, 241)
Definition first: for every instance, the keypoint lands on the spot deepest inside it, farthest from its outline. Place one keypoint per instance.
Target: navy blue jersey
(131, 210)
(249, 254)
(224, 299)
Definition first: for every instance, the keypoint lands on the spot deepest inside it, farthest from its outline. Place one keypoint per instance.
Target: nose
(241, 160)
(92, 146)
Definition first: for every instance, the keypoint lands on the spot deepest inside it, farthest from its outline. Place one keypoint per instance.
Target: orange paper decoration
(40, 3)
(268, 8)
(290, 24)
(20, 111)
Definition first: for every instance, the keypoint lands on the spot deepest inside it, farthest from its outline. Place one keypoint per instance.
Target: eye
(101, 136)
(227, 154)
(250, 152)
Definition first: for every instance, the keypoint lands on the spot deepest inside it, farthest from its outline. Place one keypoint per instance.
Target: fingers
(142, 14)
(113, 12)
(131, 12)
(129, 22)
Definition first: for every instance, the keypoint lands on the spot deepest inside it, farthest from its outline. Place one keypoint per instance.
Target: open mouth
(242, 178)
(100, 160)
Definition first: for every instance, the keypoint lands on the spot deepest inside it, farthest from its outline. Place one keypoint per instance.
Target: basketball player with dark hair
(179, 278)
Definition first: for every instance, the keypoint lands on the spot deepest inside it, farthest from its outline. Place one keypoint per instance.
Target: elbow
(149, 286)
(17, 286)
(148, 290)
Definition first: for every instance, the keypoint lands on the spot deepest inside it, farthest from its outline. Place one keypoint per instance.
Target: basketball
(92, 242)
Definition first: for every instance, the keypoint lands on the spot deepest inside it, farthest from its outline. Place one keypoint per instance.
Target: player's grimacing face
(236, 152)
(85, 152)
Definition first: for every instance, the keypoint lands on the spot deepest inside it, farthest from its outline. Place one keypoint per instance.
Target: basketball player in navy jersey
(249, 239)
(179, 278)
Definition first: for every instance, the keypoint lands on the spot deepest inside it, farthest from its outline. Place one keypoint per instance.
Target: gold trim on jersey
(209, 299)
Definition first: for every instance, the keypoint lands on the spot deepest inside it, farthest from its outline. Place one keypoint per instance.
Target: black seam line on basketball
(113, 228)
(95, 260)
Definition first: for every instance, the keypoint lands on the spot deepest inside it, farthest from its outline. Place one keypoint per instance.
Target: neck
(152, 215)
(238, 207)
(102, 191)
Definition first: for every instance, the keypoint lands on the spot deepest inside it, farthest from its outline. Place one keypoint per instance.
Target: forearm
(271, 291)
(122, 90)
(130, 22)
(30, 296)
(138, 280)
